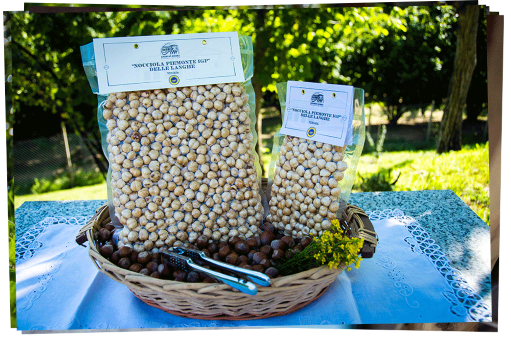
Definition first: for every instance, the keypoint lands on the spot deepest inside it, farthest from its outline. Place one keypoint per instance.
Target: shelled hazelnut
(183, 169)
(305, 188)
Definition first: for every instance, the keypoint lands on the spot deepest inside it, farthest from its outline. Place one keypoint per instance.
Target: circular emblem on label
(174, 80)
(311, 132)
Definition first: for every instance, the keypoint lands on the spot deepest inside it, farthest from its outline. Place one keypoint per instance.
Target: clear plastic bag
(309, 182)
(182, 161)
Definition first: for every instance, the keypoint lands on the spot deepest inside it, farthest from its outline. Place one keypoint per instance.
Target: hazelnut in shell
(266, 249)
(224, 251)
(231, 258)
(124, 263)
(124, 251)
(241, 248)
(145, 272)
(104, 234)
(258, 257)
(193, 277)
(272, 272)
(144, 257)
(278, 254)
(179, 275)
(258, 268)
(213, 247)
(267, 237)
(106, 250)
(136, 267)
(116, 256)
(251, 243)
(152, 266)
(277, 244)
(163, 270)
(267, 226)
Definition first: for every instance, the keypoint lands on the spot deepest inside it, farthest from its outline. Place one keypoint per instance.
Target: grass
(465, 172)
(94, 192)
(60, 182)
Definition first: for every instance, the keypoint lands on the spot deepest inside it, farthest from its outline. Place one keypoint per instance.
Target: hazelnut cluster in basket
(261, 253)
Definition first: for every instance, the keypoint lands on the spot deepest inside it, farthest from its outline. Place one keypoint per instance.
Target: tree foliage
(401, 56)
(50, 86)
(407, 65)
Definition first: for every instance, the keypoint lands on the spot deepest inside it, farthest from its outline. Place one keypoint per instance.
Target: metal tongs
(187, 259)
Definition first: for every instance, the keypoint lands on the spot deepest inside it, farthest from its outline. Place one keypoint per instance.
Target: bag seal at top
(166, 61)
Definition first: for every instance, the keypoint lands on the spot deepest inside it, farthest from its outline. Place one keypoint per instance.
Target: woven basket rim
(102, 216)
(150, 290)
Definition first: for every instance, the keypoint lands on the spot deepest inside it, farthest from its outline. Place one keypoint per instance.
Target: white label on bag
(167, 61)
(318, 112)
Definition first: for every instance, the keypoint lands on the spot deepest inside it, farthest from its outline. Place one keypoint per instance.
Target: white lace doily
(27, 244)
(464, 300)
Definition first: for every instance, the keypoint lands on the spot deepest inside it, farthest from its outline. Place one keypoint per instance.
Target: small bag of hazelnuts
(177, 115)
(315, 156)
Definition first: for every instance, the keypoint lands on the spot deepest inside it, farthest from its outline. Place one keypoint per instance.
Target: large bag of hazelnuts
(315, 155)
(177, 116)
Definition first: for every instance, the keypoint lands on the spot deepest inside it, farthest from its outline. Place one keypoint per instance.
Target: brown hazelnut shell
(267, 237)
(106, 250)
(124, 263)
(152, 266)
(136, 267)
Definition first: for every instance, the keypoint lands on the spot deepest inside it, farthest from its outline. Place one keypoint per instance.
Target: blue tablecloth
(409, 280)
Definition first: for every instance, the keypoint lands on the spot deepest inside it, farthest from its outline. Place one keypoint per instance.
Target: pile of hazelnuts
(262, 253)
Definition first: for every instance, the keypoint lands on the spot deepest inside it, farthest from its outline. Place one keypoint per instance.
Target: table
(454, 240)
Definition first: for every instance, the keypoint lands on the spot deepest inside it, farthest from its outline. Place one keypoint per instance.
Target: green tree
(283, 41)
(288, 42)
(399, 56)
(293, 43)
(408, 64)
(49, 75)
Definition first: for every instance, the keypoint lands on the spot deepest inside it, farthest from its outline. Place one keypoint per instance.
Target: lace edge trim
(464, 300)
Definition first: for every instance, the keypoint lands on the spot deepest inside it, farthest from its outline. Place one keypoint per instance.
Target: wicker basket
(217, 300)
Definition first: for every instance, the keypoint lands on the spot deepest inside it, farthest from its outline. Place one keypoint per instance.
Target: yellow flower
(332, 248)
